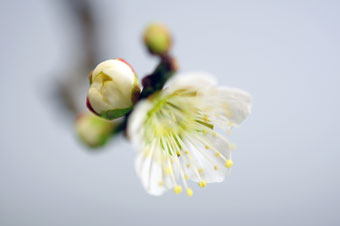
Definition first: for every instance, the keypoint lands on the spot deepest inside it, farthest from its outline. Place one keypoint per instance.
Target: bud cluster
(115, 89)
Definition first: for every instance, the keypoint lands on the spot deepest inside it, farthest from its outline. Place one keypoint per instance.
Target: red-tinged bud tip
(124, 61)
(88, 105)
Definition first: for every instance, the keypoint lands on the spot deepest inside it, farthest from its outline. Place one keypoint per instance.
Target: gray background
(285, 53)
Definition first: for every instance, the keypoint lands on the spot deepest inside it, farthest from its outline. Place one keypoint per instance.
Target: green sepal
(113, 114)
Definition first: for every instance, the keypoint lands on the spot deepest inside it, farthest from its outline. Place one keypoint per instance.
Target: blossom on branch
(177, 133)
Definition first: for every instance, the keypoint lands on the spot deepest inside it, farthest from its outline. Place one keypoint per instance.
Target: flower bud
(157, 39)
(114, 89)
(93, 130)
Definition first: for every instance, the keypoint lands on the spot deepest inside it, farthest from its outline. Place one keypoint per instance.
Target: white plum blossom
(178, 133)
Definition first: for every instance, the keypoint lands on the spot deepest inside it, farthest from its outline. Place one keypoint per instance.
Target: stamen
(178, 189)
(188, 158)
(172, 144)
(229, 163)
(167, 170)
(202, 140)
(228, 113)
(202, 184)
(189, 192)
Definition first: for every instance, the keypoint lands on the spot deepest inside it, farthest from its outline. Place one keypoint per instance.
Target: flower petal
(209, 157)
(114, 96)
(151, 172)
(195, 80)
(135, 124)
(96, 100)
(236, 104)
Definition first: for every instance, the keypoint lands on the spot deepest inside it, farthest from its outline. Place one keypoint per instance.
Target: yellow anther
(229, 163)
(188, 165)
(204, 131)
(161, 183)
(178, 189)
(178, 153)
(205, 118)
(228, 113)
(214, 134)
(186, 152)
(202, 184)
(167, 170)
(186, 177)
(207, 147)
(229, 132)
(232, 146)
(217, 154)
(200, 170)
(215, 167)
(230, 123)
(189, 192)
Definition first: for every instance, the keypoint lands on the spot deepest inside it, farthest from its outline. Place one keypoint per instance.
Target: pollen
(200, 170)
(228, 113)
(232, 146)
(178, 189)
(189, 192)
(178, 153)
(217, 154)
(205, 118)
(207, 147)
(230, 123)
(229, 163)
(186, 152)
(167, 170)
(215, 167)
(202, 184)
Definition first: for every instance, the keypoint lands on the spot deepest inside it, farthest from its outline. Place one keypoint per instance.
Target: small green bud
(157, 39)
(93, 130)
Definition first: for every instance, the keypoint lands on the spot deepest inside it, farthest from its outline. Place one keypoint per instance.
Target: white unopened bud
(114, 89)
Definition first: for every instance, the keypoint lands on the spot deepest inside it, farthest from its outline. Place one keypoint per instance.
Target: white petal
(114, 96)
(235, 101)
(150, 174)
(121, 75)
(111, 67)
(136, 120)
(97, 102)
(195, 80)
(207, 160)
